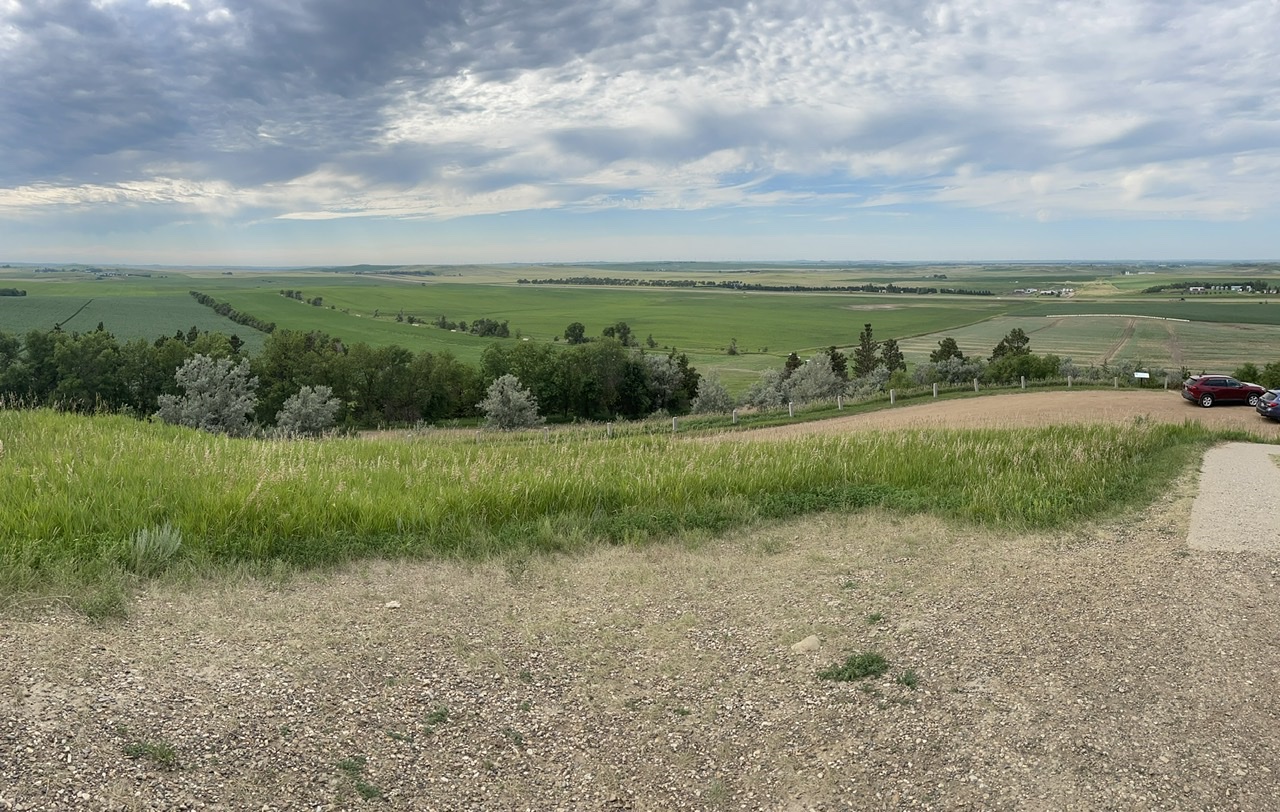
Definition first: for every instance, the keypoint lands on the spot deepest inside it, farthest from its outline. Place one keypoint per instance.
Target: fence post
(477, 436)
(1024, 381)
(840, 402)
(975, 384)
(673, 423)
(608, 429)
(1166, 381)
(546, 435)
(892, 396)
(1068, 381)
(791, 409)
(1115, 383)
(935, 389)
(735, 417)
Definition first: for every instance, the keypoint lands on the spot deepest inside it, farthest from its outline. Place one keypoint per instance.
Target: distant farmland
(375, 307)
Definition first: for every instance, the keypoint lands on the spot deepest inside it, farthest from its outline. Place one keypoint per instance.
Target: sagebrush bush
(310, 412)
(218, 396)
(508, 406)
(151, 549)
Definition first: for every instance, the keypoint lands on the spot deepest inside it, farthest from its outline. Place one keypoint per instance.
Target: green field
(1220, 331)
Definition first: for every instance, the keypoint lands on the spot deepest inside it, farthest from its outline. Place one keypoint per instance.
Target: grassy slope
(80, 488)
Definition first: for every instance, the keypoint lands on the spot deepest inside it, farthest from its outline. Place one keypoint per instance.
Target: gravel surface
(1105, 667)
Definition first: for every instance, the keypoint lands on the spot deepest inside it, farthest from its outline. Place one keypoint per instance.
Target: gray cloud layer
(328, 108)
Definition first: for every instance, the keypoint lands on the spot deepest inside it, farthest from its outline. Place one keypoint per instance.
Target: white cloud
(309, 110)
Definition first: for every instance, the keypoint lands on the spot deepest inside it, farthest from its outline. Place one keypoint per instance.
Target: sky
(305, 132)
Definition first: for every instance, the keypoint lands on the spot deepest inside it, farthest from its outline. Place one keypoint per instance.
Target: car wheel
(1206, 400)
(1253, 399)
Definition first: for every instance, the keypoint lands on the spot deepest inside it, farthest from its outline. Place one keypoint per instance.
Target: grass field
(96, 497)
(1094, 340)
(1222, 332)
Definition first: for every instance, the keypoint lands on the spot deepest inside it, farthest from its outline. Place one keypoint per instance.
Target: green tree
(622, 332)
(88, 369)
(575, 333)
(792, 363)
(947, 348)
(839, 363)
(891, 356)
(290, 360)
(508, 406)
(1270, 376)
(1015, 343)
(14, 380)
(217, 396)
(1247, 372)
(866, 354)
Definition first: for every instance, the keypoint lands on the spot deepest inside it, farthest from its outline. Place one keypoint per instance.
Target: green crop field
(1221, 330)
(1094, 340)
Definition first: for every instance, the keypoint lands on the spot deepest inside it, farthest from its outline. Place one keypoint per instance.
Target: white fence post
(608, 429)
(840, 401)
(1115, 383)
(735, 417)
(893, 393)
(1024, 381)
(1068, 381)
(975, 384)
(791, 409)
(673, 423)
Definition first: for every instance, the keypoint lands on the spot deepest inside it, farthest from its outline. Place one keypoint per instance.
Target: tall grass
(77, 491)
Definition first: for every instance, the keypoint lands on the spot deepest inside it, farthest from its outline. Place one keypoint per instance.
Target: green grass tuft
(856, 667)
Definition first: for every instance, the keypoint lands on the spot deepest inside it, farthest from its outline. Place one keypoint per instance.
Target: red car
(1210, 389)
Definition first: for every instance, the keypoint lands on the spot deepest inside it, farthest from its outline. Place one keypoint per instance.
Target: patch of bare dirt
(1106, 667)
(1027, 409)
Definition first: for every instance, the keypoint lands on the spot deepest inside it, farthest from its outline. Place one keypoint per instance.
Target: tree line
(375, 386)
(733, 284)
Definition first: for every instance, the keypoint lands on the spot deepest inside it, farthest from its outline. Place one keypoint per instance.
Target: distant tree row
(733, 284)
(1253, 285)
(485, 328)
(226, 310)
(576, 333)
(12, 292)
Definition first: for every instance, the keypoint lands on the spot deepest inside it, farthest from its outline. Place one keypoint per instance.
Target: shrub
(152, 548)
(712, 397)
(769, 392)
(309, 412)
(218, 396)
(815, 380)
(508, 406)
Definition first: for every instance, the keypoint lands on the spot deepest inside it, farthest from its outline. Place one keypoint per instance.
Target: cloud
(297, 109)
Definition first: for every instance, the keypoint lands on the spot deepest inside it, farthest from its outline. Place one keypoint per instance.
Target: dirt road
(1044, 409)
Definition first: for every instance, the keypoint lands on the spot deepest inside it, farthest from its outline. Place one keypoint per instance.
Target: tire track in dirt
(1175, 347)
(1119, 345)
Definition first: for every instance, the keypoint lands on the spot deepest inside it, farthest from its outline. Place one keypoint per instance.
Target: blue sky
(294, 132)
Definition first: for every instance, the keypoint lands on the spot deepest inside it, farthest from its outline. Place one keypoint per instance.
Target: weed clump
(151, 549)
(856, 667)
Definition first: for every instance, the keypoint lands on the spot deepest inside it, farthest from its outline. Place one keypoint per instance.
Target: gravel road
(1107, 667)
